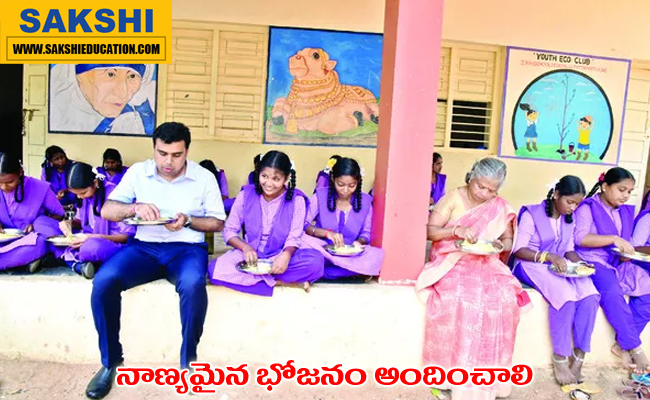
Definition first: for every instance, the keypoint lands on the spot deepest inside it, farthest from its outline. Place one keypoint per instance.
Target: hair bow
(363, 172)
(99, 176)
(293, 166)
(552, 185)
(330, 164)
(601, 178)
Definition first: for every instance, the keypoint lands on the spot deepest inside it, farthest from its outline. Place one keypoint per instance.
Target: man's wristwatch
(188, 222)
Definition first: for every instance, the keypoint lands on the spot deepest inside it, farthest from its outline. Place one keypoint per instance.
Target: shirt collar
(150, 170)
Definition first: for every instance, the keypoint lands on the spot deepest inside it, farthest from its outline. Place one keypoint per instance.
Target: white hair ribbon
(99, 176)
(551, 186)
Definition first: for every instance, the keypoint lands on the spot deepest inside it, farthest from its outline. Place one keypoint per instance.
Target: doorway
(11, 108)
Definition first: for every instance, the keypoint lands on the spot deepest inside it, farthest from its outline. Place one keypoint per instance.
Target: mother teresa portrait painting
(105, 99)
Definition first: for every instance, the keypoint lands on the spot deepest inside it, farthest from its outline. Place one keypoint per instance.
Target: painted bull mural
(318, 101)
(323, 87)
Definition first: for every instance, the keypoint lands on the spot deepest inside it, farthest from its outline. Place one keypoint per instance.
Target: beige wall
(599, 27)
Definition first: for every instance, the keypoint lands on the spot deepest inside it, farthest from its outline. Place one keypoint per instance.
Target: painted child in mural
(30, 205)
(603, 222)
(55, 169)
(323, 177)
(531, 121)
(273, 212)
(342, 215)
(318, 101)
(545, 236)
(99, 238)
(585, 125)
(112, 167)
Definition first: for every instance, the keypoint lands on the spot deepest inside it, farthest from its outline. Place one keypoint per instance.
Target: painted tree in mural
(563, 129)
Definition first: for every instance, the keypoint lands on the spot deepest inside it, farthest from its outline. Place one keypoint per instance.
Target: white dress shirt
(195, 193)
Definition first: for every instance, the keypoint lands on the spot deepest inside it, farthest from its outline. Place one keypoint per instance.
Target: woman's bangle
(542, 258)
(134, 210)
(535, 257)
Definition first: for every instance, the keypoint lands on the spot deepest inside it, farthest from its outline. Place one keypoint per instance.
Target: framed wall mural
(322, 88)
(563, 107)
(103, 99)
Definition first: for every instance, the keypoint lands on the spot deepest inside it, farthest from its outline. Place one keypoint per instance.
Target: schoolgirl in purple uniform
(603, 222)
(100, 239)
(27, 204)
(272, 211)
(342, 214)
(545, 236)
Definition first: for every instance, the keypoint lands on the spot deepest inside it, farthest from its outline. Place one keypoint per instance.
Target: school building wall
(600, 28)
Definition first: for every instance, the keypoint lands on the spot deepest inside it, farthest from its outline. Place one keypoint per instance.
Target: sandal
(631, 393)
(632, 383)
(643, 379)
(587, 387)
(577, 394)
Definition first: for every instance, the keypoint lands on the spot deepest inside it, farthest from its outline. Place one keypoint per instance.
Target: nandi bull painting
(323, 87)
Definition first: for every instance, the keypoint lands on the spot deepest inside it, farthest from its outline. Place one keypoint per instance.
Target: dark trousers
(182, 264)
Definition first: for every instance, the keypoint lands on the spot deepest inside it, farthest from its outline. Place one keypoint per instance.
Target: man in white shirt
(167, 186)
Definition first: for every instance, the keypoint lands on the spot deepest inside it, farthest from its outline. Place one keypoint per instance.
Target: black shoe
(88, 270)
(101, 383)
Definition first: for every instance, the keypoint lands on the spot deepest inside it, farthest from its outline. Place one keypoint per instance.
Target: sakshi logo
(78, 31)
(78, 19)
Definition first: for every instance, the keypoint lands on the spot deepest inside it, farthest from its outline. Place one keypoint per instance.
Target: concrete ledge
(367, 325)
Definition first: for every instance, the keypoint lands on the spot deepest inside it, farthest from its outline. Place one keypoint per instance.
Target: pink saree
(472, 301)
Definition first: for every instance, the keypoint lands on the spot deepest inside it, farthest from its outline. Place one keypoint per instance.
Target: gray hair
(490, 168)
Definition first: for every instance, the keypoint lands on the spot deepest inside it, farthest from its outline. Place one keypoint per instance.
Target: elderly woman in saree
(472, 301)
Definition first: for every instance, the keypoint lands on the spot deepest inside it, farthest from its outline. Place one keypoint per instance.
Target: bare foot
(639, 359)
(305, 286)
(503, 390)
(577, 360)
(563, 374)
(624, 355)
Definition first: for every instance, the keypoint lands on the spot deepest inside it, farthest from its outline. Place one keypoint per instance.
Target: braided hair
(567, 186)
(10, 164)
(612, 177)
(82, 176)
(50, 153)
(280, 161)
(345, 167)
